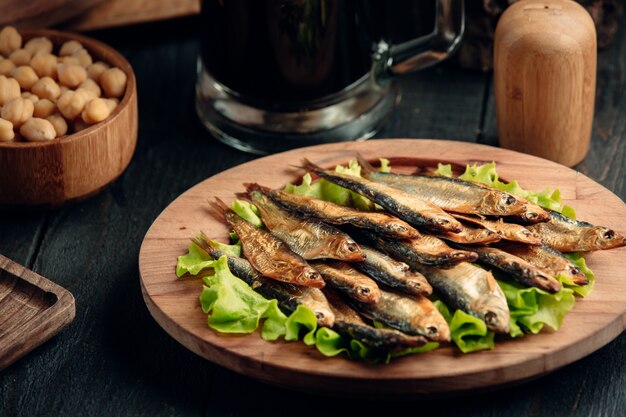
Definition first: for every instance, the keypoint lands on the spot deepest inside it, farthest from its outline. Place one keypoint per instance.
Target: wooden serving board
(32, 310)
(593, 322)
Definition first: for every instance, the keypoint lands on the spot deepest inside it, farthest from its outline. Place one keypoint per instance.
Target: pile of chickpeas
(44, 96)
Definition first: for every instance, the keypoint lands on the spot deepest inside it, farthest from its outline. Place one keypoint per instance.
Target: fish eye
(609, 234)
(531, 216)
(444, 221)
(575, 270)
(491, 317)
(365, 290)
(319, 315)
(312, 275)
(352, 247)
(432, 330)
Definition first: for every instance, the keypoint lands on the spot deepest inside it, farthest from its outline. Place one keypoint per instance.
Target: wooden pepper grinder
(545, 79)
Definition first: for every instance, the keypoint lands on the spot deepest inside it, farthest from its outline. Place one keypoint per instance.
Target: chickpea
(45, 65)
(70, 48)
(89, 95)
(91, 86)
(25, 76)
(20, 57)
(10, 40)
(71, 75)
(59, 123)
(18, 111)
(38, 46)
(72, 103)
(6, 131)
(111, 103)
(95, 70)
(6, 66)
(95, 111)
(113, 82)
(38, 130)
(30, 96)
(44, 108)
(69, 60)
(64, 89)
(9, 89)
(83, 57)
(46, 87)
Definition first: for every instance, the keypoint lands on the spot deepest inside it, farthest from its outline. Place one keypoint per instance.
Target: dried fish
(414, 315)
(349, 323)
(394, 274)
(379, 222)
(426, 250)
(310, 239)
(289, 296)
(406, 206)
(519, 269)
(507, 231)
(473, 290)
(343, 277)
(548, 259)
(267, 254)
(471, 235)
(567, 235)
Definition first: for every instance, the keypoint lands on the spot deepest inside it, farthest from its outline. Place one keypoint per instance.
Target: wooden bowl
(78, 165)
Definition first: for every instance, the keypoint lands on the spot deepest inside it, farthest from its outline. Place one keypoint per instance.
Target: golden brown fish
(473, 290)
(414, 315)
(289, 296)
(567, 235)
(549, 260)
(349, 323)
(395, 274)
(471, 235)
(267, 254)
(406, 206)
(310, 239)
(379, 222)
(520, 270)
(507, 231)
(343, 277)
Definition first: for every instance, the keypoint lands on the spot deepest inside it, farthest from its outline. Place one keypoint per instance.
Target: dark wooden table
(115, 360)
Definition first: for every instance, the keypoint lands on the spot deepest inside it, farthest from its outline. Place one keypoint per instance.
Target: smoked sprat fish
(507, 231)
(343, 277)
(406, 206)
(379, 222)
(520, 270)
(414, 315)
(471, 235)
(349, 323)
(289, 296)
(567, 235)
(395, 274)
(266, 253)
(473, 290)
(310, 239)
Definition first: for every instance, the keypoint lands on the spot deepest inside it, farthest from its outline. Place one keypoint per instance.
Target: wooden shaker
(545, 79)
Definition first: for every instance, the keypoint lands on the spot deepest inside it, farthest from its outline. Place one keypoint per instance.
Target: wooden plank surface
(115, 360)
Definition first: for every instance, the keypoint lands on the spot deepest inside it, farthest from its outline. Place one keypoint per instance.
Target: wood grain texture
(32, 310)
(78, 165)
(545, 78)
(594, 322)
(110, 13)
(41, 13)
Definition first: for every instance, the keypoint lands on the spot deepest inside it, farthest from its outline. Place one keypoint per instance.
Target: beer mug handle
(389, 60)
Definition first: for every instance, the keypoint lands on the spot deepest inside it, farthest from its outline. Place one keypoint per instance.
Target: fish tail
(218, 209)
(366, 167)
(203, 241)
(310, 166)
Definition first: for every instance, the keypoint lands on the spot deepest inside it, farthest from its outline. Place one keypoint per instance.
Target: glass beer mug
(279, 74)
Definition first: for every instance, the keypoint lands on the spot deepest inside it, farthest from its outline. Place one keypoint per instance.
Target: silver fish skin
(289, 296)
(473, 290)
(507, 231)
(567, 235)
(413, 315)
(520, 270)
(427, 250)
(350, 324)
(405, 206)
(328, 212)
(546, 258)
(308, 238)
(395, 274)
(344, 278)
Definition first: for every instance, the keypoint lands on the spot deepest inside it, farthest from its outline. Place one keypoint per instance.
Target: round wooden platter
(173, 302)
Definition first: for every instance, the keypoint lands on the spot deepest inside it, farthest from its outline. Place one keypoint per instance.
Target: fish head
(325, 317)
(434, 326)
(495, 315)
(534, 214)
(526, 236)
(503, 203)
(443, 223)
(309, 277)
(397, 228)
(347, 249)
(367, 293)
(604, 238)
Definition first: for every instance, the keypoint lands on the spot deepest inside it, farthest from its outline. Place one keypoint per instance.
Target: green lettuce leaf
(193, 262)
(231, 250)
(247, 211)
(468, 333)
(444, 170)
(582, 290)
